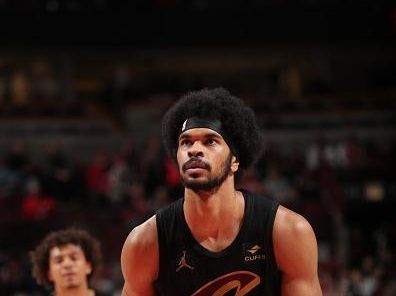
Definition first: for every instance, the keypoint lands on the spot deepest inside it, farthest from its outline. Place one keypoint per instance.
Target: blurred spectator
(137, 207)
(160, 198)
(172, 178)
(251, 181)
(37, 206)
(17, 166)
(120, 178)
(97, 179)
(153, 164)
(57, 173)
(354, 153)
(277, 186)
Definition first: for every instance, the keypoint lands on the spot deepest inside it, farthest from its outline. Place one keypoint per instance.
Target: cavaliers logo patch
(242, 282)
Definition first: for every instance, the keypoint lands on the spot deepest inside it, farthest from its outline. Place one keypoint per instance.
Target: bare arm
(296, 254)
(140, 259)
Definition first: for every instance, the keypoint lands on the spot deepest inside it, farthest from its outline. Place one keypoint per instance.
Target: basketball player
(218, 240)
(65, 260)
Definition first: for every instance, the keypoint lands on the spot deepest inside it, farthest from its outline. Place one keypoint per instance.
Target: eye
(73, 257)
(58, 260)
(210, 142)
(185, 142)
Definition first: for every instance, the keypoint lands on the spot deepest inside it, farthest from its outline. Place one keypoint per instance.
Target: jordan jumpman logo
(183, 263)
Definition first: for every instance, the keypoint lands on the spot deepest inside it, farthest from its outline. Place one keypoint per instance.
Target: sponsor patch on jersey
(253, 252)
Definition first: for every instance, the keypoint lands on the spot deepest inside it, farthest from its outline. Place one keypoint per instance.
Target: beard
(213, 182)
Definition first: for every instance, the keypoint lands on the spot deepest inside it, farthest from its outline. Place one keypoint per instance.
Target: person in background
(65, 260)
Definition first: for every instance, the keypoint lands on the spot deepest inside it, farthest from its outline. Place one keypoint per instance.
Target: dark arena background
(84, 84)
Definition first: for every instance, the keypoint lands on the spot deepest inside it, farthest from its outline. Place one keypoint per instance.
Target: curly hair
(237, 119)
(40, 256)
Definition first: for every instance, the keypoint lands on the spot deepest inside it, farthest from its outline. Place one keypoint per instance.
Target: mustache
(195, 162)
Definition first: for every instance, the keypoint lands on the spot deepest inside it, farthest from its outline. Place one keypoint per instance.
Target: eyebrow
(185, 135)
(72, 253)
(57, 257)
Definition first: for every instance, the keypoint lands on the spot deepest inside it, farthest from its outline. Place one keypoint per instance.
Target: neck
(213, 199)
(210, 211)
(78, 291)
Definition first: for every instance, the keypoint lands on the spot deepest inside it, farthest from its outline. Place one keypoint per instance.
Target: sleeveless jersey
(246, 267)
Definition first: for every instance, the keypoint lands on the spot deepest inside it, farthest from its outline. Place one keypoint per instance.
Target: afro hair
(238, 121)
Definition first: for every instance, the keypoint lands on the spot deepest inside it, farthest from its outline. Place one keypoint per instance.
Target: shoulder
(294, 241)
(288, 222)
(140, 259)
(140, 250)
(142, 236)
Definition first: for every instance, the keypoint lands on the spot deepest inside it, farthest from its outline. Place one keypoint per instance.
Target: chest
(242, 264)
(198, 271)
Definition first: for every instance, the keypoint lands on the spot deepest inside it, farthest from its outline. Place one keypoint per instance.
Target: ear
(234, 164)
(88, 268)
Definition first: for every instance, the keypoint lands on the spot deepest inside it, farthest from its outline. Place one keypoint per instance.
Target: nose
(67, 263)
(195, 150)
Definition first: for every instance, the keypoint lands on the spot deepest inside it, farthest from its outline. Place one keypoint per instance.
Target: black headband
(213, 124)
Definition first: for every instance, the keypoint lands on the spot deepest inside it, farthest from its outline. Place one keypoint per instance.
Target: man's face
(68, 267)
(204, 158)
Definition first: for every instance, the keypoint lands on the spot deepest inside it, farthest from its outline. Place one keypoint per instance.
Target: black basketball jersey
(246, 267)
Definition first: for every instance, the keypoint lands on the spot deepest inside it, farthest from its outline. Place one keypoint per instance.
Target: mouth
(193, 164)
(69, 275)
